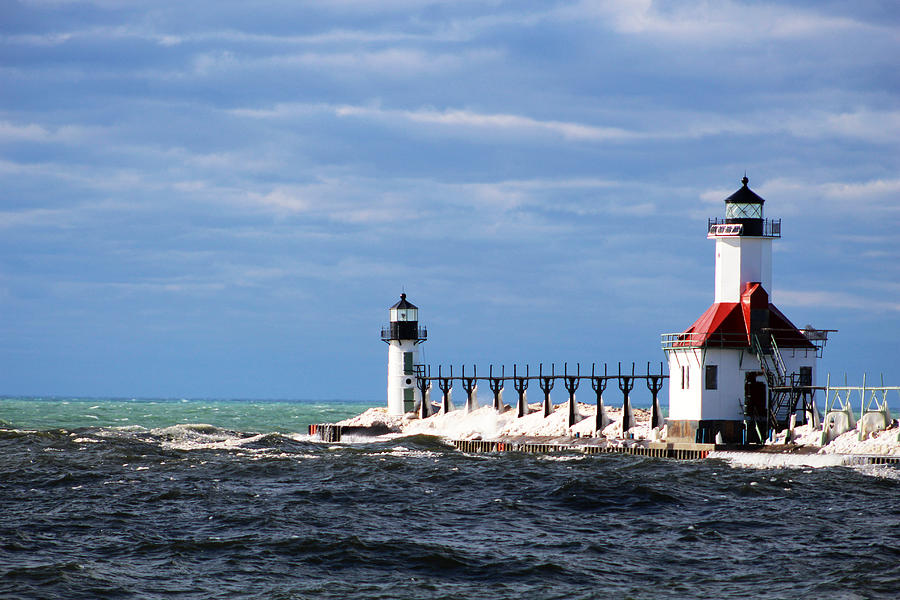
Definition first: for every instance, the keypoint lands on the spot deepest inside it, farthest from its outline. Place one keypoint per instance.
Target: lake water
(121, 498)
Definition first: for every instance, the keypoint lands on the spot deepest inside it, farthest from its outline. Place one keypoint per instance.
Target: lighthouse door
(755, 406)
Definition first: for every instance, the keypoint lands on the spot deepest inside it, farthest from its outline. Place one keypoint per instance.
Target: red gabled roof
(728, 324)
(786, 333)
(722, 324)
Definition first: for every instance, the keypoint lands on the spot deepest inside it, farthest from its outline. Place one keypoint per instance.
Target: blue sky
(222, 199)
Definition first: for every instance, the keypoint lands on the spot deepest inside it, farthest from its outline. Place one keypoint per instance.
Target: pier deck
(329, 432)
(548, 445)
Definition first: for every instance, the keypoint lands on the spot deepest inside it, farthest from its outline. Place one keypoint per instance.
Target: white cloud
(454, 118)
(29, 133)
(872, 199)
(283, 110)
(39, 39)
(880, 126)
(864, 125)
(39, 217)
(283, 199)
(33, 132)
(343, 200)
(832, 299)
(885, 191)
(182, 285)
(388, 62)
(236, 36)
(717, 22)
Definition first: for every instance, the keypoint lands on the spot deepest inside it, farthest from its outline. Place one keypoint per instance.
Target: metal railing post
(521, 384)
(599, 385)
(571, 383)
(546, 383)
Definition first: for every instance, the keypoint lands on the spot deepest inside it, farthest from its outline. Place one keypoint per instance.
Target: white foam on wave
(551, 458)
(188, 429)
(202, 436)
(403, 452)
(879, 471)
(269, 454)
(765, 460)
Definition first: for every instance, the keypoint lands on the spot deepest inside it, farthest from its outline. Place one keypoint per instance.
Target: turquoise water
(262, 416)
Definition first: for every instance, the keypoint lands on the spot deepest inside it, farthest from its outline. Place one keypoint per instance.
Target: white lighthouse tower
(403, 336)
(741, 366)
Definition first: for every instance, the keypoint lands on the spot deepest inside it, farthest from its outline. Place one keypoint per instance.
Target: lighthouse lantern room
(403, 335)
(742, 367)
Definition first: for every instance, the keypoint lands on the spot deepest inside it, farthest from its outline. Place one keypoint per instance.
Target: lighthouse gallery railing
(707, 339)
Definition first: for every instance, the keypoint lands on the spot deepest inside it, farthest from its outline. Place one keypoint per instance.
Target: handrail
(769, 228)
(699, 339)
(779, 362)
(424, 372)
(386, 335)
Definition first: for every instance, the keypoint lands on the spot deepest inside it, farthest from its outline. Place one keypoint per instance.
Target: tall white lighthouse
(403, 335)
(742, 364)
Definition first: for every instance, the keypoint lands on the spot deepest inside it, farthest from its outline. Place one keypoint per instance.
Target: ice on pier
(486, 423)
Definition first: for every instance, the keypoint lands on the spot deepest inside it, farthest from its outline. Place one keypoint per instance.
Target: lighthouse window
(407, 363)
(737, 210)
(712, 377)
(685, 377)
(805, 375)
(404, 314)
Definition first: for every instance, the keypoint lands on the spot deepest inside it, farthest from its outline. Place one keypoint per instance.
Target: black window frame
(711, 378)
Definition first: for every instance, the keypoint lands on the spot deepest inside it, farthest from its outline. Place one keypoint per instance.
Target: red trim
(727, 324)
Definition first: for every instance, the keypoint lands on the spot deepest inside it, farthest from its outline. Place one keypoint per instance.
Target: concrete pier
(329, 432)
(670, 450)
(543, 445)
(676, 450)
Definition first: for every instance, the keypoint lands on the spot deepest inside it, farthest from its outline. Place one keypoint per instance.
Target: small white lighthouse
(403, 335)
(733, 372)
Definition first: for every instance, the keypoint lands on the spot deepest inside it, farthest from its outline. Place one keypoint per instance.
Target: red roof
(728, 324)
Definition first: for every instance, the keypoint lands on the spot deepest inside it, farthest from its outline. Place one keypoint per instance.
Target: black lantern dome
(404, 311)
(744, 216)
(744, 204)
(404, 323)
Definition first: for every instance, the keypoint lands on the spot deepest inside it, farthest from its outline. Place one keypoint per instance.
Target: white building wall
(726, 401)
(684, 401)
(696, 403)
(740, 260)
(794, 359)
(397, 380)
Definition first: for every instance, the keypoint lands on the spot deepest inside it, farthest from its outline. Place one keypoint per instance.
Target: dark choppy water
(207, 512)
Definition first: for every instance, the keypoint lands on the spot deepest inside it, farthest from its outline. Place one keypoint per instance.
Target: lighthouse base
(704, 431)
